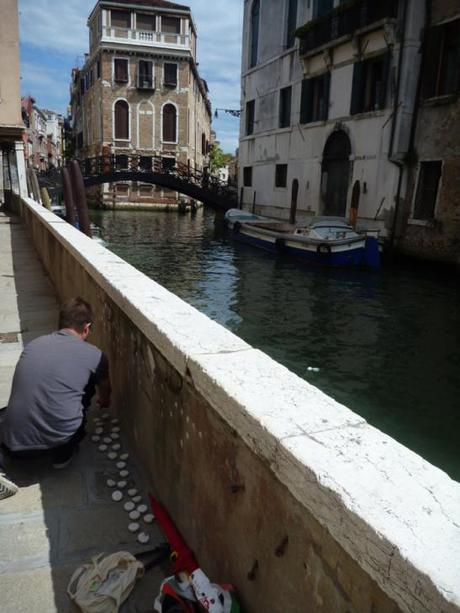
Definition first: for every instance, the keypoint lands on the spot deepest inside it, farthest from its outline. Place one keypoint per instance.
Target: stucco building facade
(12, 167)
(140, 93)
(330, 103)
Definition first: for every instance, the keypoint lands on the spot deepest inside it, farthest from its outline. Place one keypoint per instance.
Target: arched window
(254, 44)
(169, 123)
(121, 120)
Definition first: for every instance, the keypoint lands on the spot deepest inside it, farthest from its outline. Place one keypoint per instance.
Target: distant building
(331, 108)
(12, 168)
(43, 136)
(54, 135)
(140, 92)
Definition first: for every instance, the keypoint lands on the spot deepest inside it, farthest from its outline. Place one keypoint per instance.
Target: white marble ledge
(175, 327)
(388, 500)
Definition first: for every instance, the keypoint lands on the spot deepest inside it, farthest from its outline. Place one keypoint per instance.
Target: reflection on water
(386, 345)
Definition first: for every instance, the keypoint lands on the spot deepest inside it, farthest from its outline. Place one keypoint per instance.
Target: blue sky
(54, 38)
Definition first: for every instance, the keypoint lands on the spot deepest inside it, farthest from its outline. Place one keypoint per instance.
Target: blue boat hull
(365, 257)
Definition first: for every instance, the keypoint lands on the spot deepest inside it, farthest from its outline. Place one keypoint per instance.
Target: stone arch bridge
(165, 172)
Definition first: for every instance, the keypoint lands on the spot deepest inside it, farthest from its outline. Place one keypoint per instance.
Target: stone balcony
(144, 38)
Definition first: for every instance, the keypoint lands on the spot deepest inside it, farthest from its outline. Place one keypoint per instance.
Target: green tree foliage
(217, 158)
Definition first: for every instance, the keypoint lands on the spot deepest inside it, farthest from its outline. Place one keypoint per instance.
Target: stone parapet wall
(275, 486)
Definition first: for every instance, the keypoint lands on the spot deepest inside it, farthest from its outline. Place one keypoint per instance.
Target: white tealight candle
(143, 538)
(134, 527)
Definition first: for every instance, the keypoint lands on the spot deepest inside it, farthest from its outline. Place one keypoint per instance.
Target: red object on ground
(185, 560)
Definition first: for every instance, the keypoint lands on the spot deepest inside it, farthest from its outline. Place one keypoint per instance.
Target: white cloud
(58, 30)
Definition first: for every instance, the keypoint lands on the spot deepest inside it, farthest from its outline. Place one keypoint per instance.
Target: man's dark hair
(75, 314)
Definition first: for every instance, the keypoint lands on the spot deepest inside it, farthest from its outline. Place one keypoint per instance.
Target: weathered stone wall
(275, 486)
(437, 138)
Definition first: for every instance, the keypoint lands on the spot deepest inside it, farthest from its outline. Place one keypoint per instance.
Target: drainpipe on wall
(398, 163)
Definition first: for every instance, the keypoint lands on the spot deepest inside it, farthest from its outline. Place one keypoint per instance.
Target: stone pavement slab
(58, 519)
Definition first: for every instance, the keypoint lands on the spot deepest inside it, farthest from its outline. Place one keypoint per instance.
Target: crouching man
(53, 384)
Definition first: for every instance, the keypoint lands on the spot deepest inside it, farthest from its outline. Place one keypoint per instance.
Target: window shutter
(357, 88)
(385, 76)
(145, 23)
(306, 101)
(121, 70)
(431, 58)
(169, 123)
(170, 74)
(121, 120)
(327, 89)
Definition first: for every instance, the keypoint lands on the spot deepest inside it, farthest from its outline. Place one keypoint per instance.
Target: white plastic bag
(103, 585)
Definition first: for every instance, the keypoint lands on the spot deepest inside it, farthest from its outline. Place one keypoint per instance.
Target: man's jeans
(58, 455)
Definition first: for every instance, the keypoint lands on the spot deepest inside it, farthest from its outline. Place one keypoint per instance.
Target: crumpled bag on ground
(103, 585)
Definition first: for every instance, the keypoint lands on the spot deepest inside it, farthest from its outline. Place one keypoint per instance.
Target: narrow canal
(386, 345)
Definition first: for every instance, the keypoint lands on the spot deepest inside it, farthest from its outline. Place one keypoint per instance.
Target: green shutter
(306, 101)
(357, 88)
(327, 89)
(431, 59)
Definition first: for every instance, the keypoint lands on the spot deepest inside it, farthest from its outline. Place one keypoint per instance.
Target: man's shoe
(7, 487)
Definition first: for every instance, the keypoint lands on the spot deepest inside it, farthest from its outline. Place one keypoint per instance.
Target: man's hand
(104, 393)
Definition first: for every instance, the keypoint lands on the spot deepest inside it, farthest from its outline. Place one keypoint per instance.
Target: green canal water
(386, 345)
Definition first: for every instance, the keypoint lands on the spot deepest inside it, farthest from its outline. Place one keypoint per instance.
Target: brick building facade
(429, 224)
(140, 92)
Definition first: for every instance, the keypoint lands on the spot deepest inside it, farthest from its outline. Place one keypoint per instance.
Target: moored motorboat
(328, 241)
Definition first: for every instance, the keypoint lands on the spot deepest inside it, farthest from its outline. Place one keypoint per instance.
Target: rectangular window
(441, 74)
(427, 190)
(91, 76)
(145, 190)
(322, 7)
(145, 162)
(122, 161)
(146, 23)
(122, 188)
(314, 103)
(170, 25)
(281, 175)
(98, 69)
(170, 75)
(250, 112)
(121, 70)
(285, 107)
(145, 75)
(369, 87)
(168, 164)
(291, 23)
(247, 176)
(82, 86)
(121, 19)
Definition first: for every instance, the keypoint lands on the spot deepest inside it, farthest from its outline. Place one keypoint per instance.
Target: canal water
(387, 345)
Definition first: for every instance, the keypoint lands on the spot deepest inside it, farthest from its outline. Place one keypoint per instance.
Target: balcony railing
(343, 21)
(142, 37)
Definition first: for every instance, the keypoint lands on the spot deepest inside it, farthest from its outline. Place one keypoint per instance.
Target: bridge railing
(210, 188)
(108, 164)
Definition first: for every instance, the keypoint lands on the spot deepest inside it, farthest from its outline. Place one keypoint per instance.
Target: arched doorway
(294, 194)
(336, 173)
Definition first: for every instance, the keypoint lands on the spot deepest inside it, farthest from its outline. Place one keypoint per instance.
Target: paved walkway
(58, 519)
